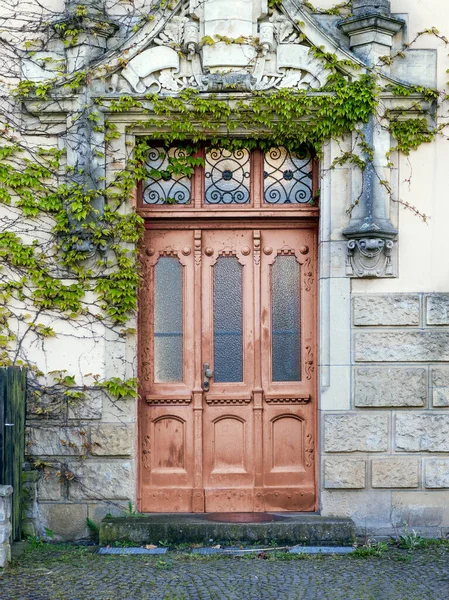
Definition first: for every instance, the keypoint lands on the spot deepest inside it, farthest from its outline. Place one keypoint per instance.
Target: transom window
(223, 177)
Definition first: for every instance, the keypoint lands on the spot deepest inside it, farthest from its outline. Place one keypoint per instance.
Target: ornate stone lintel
(369, 257)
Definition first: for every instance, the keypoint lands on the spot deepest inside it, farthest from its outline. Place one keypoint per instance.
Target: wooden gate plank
(13, 399)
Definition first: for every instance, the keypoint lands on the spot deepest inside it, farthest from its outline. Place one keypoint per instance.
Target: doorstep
(208, 528)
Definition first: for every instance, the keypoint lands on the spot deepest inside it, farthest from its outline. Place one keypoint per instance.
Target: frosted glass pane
(168, 311)
(228, 320)
(285, 319)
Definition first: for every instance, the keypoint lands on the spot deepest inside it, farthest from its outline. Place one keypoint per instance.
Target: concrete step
(207, 528)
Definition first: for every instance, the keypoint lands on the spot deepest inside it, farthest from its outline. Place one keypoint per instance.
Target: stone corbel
(371, 235)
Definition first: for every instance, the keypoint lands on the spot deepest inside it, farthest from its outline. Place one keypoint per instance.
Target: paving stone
(386, 309)
(51, 573)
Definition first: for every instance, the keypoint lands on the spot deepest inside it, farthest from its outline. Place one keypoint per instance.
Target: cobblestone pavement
(53, 572)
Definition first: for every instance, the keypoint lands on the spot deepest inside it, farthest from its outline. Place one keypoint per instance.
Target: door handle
(208, 374)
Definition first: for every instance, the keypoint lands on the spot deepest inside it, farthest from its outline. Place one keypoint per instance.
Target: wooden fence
(12, 437)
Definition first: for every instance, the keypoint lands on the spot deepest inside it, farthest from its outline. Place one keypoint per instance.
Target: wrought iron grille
(227, 176)
(165, 188)
(287, 177)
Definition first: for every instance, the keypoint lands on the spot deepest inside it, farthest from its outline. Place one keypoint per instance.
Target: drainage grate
(231, 550)
(132, 550)
(321, 550)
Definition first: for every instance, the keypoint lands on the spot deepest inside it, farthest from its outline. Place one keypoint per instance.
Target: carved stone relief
(274, 56)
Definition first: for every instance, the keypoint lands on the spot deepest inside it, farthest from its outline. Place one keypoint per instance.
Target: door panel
(166, 333)
(227, 370)
(227, 345)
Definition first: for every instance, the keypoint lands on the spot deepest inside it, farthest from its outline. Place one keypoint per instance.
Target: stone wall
(386, 460)
(5, 524)
(85, 466)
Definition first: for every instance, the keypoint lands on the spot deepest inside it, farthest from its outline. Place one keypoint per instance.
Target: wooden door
(227, 370)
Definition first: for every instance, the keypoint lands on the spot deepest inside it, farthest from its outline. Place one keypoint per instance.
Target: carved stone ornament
(369, 257)
(176, 59)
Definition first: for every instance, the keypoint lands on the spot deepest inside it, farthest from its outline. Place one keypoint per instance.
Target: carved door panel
(288, 305)
(227, 351)
(166, 334)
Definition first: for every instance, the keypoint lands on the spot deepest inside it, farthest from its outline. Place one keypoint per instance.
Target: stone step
(207, 528)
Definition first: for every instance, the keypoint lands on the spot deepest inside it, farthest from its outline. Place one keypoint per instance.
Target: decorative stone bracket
(370, 233)
(369, 257)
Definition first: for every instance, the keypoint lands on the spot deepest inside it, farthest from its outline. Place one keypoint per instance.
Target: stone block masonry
(5, 524)
(393, 442)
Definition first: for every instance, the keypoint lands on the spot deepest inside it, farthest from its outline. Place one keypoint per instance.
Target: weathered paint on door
(227, 369)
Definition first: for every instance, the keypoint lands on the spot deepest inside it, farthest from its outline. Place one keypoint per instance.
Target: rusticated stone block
(49, 487)
(344, 473)
(112, 439)
(437, 309)
(352, 432)
(420, 509)
(98, 480)
(440, 386)
(401, 346)
(66, 521)
(437, 473)
(386, 309)
(58, 441)
(395, 473)
(89, 407)
(422, 432)
(396, 386)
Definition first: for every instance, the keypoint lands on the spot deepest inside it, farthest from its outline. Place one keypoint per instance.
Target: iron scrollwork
(162, 186)
(227, 176)
(288, 177)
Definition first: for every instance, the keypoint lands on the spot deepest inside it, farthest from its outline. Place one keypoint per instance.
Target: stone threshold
(178, 528)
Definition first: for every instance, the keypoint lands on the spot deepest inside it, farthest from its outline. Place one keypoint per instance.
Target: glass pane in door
(168, 320)
(285, 334)
(228, 320)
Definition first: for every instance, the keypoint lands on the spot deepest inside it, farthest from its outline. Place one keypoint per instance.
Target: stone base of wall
(385, 459)
(5, 524)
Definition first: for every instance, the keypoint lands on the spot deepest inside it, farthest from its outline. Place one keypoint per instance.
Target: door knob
(208, 374)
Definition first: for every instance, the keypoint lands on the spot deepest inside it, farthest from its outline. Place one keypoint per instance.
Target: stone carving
(176, 59)
(369, 257)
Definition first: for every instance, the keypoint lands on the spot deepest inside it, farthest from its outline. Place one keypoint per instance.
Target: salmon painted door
(227, 370)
